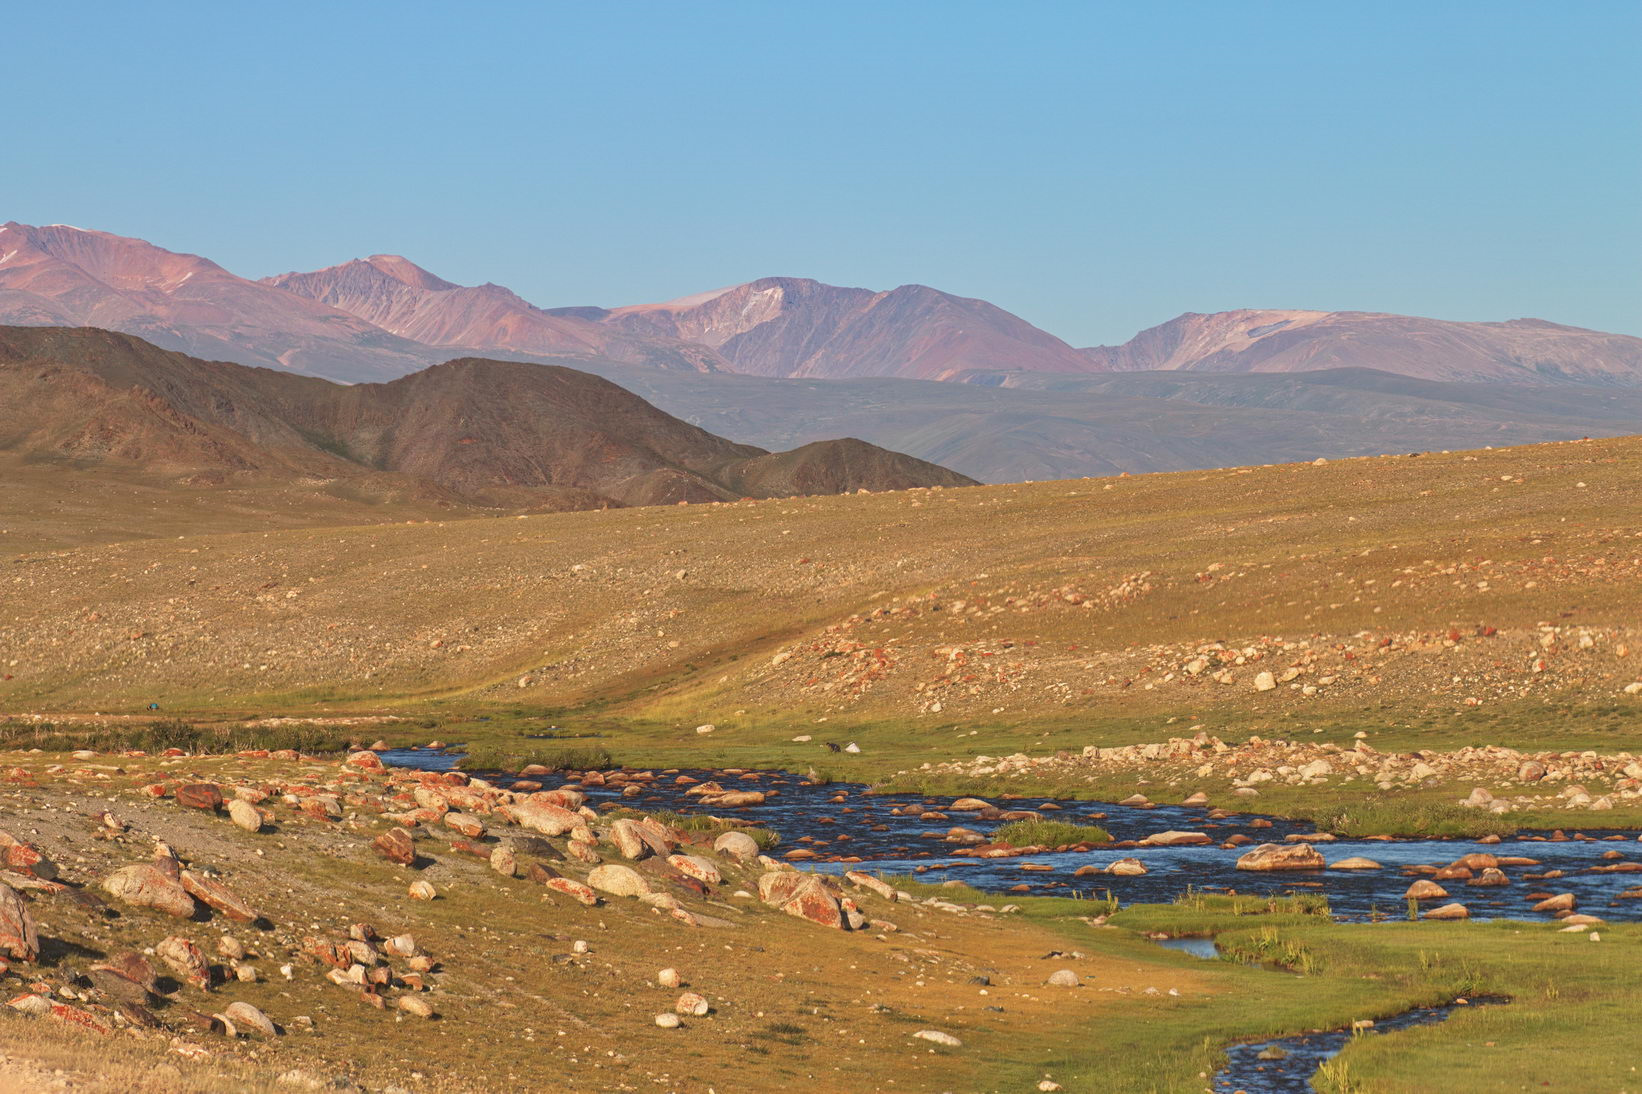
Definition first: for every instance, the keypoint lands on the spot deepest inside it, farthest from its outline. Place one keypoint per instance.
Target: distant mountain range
(487, 432)
(384, 316)
(783, 362)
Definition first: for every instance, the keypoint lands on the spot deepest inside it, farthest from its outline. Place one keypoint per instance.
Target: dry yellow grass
(1375, 578)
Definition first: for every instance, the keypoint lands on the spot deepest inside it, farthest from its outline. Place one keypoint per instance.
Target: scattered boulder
(414, 1005)
(935, 1036)
(19, 856)
(545, 817)
(805, 896)
(624, 834)
(1562, 902)
(1355, 862)
(249, 1018)
(691, 1005)
(618, 881)
(871, 884)
(396, 844)
(148, 886)
(1425, 890)
(696, 867)
(1127, 867)
(1064, 978)
(200, 796)
(216, 895)
(185, 959)
(365, 761)
(18, 935)
(245, 815)
(737, 845)
(1449, 911)
(1176, 839)
(1277, 856)
(575, 889)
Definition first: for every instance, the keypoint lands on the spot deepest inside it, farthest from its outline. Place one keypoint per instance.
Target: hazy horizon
(1095, 170)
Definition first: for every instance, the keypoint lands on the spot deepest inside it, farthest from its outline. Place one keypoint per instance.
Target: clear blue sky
(1096, 168)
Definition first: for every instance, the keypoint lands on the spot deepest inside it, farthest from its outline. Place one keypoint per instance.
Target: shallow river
(844, 820)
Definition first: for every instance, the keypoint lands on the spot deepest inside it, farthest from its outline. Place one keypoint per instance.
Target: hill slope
(1471, 581)
(489, 431)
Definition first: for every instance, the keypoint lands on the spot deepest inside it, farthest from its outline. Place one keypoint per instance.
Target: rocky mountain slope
(402, 298)
(384, 316)
(493, 431)
(1518, 351)
(788, 326)
(59, 275)
(406, 319)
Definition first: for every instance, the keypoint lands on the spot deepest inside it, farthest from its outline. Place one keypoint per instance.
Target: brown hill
(403, 299)
(488, 431)
(1519, 351)
(788, 326)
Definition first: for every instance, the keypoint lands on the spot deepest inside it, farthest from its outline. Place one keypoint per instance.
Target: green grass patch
(1388, 816)
(500, 757)
(1195, 912)
(161, 734)
(1046, 833)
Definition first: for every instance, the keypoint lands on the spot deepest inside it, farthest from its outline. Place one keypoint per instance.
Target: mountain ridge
(385, 316)
(489, 432)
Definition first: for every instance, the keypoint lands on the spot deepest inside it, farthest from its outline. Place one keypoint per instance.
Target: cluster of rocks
(551, 840)
(1020, 656)
(1582, 779)
(127, 988)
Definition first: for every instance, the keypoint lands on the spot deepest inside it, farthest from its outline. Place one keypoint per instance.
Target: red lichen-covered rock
(216, 895)
(18, 935)
(185, 959)
(19, 856)
(565, 797)
(396, 845)
(543, 817)
(468, 825)
(366, 761)
(200, 796)
(80, 1019)
(805, 896)
(573, 889)
(693, 866)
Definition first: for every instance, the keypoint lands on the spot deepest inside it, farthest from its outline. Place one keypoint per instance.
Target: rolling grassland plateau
(209, 886)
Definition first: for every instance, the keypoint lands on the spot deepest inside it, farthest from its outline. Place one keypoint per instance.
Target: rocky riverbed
(1157, 851)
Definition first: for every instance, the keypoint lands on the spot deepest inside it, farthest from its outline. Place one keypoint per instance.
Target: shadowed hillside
(490, 432)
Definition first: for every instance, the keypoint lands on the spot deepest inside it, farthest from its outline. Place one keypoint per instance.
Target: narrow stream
(1287, 1065)
(845, 828)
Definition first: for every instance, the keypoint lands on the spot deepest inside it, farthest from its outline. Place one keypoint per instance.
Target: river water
(1302, 1055)
(849, 828)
